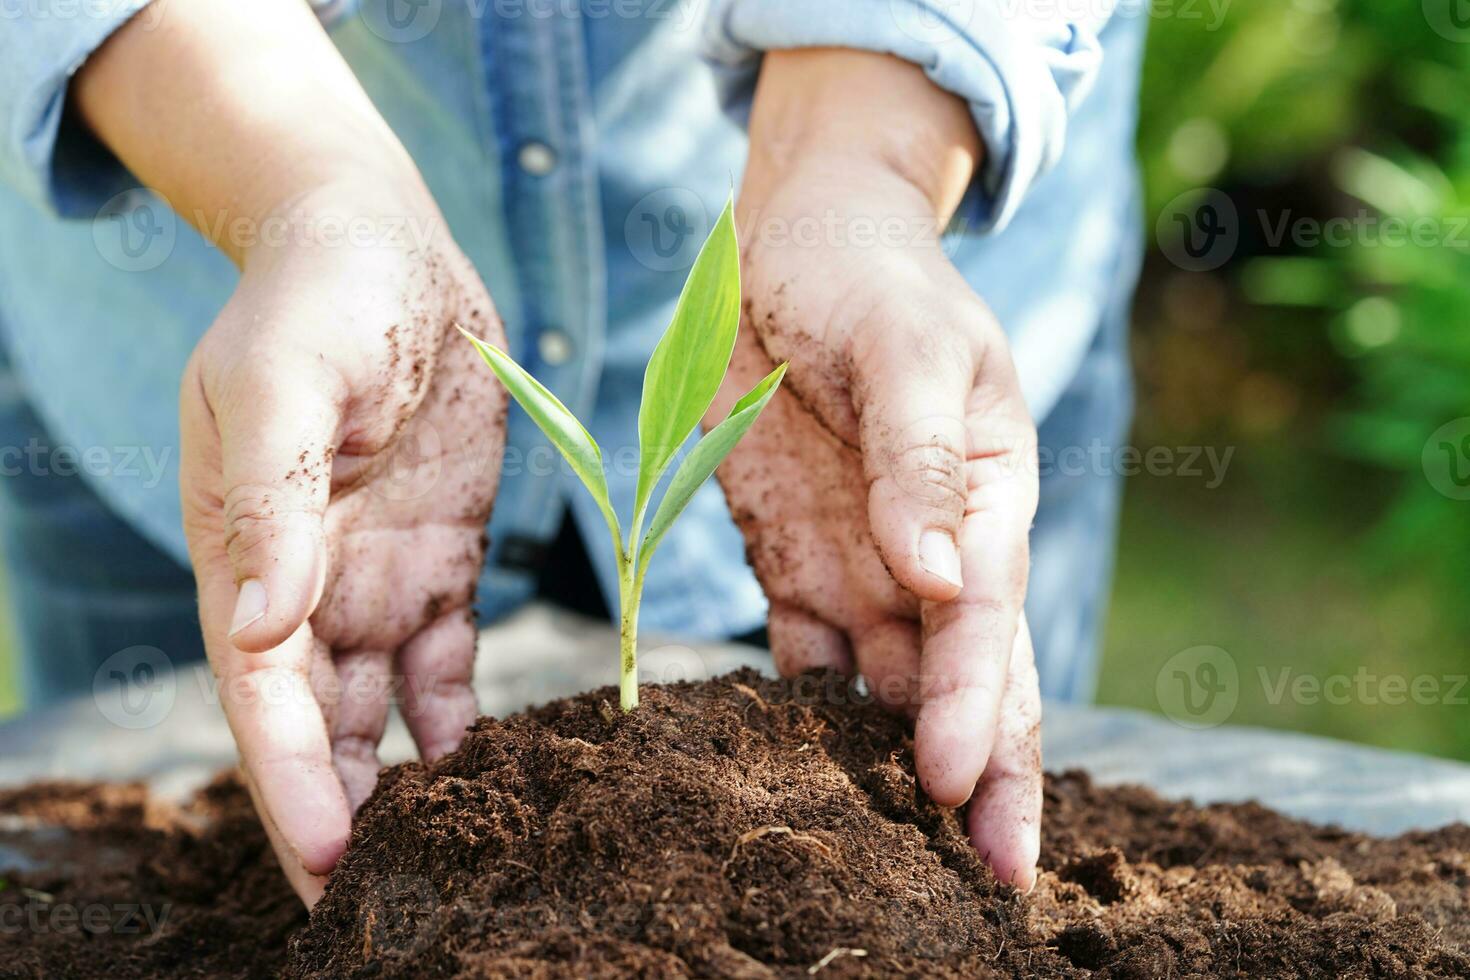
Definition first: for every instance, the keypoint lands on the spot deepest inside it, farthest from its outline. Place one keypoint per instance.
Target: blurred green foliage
(1337, 363)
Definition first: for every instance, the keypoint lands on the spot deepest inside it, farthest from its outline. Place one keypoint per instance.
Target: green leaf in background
(568, 435)
(691, 358)
(705, 457)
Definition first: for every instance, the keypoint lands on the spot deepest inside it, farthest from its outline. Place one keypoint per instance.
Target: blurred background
(1323, 332)
(1305, 308)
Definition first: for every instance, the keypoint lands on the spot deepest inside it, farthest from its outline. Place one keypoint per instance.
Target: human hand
(341, 451)
(887, 497)
(340, 447)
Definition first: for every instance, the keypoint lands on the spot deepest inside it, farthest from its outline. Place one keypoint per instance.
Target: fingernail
(249, 606)
(940, 557)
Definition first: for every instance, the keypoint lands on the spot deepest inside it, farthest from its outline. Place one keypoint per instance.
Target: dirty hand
(340, 454)
(887, 495)
(340, 445)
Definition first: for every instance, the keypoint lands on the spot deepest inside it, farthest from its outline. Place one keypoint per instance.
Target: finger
(268, 697)
(438, 672)
(308, 887)
(277, 425)
(365, 680)
(967, 648)
(888, 656)
(1004, 819)
(284, 746)
(801, 642)
(910, 390)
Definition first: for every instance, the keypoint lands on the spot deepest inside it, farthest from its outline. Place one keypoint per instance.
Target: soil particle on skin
(742, 828)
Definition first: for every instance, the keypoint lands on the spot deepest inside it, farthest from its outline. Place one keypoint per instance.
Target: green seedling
(679, 385)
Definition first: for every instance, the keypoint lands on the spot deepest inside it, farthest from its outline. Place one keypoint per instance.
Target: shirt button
(536, 158)
(555, 347)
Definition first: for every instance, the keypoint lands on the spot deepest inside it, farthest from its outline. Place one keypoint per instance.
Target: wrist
(232, 111)
(352, 212)
(847, 120)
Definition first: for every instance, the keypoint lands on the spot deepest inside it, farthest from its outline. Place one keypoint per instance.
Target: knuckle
(358, 746)
(247, 501)
(949, 692)
(247, 536)
(254, 518)
(934, 474)
(963, 613)
(927, 466)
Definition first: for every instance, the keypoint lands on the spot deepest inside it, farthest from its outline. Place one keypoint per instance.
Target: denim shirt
(579, 150)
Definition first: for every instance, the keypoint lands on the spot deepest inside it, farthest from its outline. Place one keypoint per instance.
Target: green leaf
(568, 435)
(691, 358)
(705, 457)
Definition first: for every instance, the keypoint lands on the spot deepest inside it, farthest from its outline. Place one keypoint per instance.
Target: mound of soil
(737, 828)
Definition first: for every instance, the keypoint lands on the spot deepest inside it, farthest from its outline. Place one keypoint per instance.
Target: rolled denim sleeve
(45, 154)
(1021, 64)
(42, 44)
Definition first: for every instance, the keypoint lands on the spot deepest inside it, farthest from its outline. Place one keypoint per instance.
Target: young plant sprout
(679, 385)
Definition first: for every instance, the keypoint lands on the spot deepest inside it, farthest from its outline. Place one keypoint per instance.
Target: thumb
(911, 399)
(277, 430)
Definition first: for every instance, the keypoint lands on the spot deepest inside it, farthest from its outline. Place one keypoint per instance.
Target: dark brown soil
(740, 828)
(102, 881)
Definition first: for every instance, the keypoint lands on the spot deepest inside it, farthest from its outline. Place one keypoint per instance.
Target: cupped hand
(341, 451)
(887, 495)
